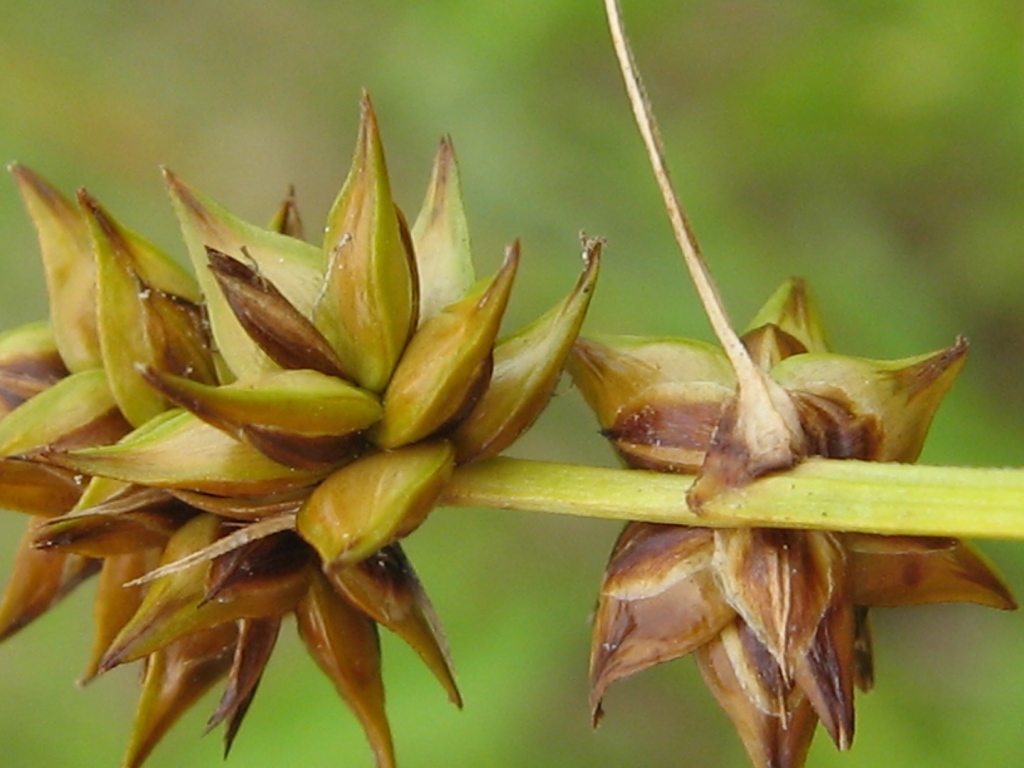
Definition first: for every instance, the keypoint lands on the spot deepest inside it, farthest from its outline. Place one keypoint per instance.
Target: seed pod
(41, 579)
(318, 413)
(211, 592)
(344, 643)
(37, 489)
(115, 602)
(134, 519)
(657, 603)
(368, 308)
(78, 410)
(897, 399)
(385, 587)
(526, 369)
(777, 619)
(67, 251)
(179, 450)
(374, 501)
(140, 287)
(174, 679)
(657, 400)
(303, 418)
(775, 722)
(446, 364)
(440, 237)
(913, 570)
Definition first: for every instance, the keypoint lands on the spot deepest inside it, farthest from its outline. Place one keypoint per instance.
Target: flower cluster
(228, 449)
(776, 619)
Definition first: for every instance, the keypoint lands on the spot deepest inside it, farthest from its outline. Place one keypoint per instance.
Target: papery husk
(287, 219)
(791, 310)
(826, 672)
(277, 566)
(181, 603)
(781, 583)
(658, 602)
(256, 641)
(245, 508)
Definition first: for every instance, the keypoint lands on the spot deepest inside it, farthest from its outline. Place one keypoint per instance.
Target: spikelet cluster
(226, 448)
(777, 620)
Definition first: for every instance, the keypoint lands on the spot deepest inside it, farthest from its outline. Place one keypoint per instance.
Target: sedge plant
(244, 445)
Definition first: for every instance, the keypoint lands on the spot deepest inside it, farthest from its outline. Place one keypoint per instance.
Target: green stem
(819, 493)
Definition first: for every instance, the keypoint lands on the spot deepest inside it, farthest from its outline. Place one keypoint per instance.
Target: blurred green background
(875, 148)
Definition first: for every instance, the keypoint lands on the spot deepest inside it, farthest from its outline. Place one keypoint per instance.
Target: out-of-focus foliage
(876, 149)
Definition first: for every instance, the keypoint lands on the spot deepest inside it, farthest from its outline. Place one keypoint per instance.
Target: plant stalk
(823, 494)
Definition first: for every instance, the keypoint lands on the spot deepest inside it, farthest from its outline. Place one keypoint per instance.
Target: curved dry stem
(767, 422)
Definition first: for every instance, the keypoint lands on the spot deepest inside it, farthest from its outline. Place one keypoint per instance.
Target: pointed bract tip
(512, 251)
(93, 208)
(179, 190)
(367, 115)
(444, 160)
(31, 182)
(22, 173)
(19, 171)
(924, 374)
(592, 247)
